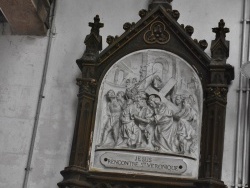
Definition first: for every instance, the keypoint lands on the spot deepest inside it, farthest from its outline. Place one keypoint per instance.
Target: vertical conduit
(40, 97)
(236, 174)
(244, 157)
(245, 133)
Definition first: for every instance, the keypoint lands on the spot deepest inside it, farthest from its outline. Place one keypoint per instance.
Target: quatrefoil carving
(157, 34)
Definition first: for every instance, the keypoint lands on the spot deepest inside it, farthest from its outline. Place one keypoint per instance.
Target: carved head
(178, 99)
(134, 80)
(154, 99)
(120, 95)
(143, 95)
(157, 99)
(110, 94)
(128, 83)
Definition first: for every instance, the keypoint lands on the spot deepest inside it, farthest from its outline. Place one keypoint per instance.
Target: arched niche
(150, 124)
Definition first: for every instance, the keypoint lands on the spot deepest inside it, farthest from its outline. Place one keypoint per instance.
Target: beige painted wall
(22, 60)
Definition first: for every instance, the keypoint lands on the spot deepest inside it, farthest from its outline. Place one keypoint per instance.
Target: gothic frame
(215, 76)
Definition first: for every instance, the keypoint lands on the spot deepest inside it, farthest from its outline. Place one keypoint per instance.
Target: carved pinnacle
(93, 43)
(220, 46)
(165, 3)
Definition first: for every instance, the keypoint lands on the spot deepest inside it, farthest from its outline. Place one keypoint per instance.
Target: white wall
(22, 59)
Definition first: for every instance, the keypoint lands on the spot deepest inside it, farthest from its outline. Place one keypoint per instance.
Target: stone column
(221, 74)
(75, 174)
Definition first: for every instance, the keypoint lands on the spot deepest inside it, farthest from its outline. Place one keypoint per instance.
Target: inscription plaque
(143, 163)
(150, 102)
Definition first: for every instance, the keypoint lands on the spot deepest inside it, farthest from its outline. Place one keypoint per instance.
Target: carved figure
(164, 129)
(157, 83)
(187, 120)
(144, 121)
(114, 109)
(131, 88)
(120, 98)
(144, 111)
(130, 132)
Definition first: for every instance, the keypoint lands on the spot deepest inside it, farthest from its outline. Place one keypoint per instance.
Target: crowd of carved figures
(142, 121)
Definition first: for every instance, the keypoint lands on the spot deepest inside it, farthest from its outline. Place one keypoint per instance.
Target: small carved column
(221, 74)
(78, 164)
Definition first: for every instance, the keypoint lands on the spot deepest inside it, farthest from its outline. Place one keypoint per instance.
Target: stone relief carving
(150, 101)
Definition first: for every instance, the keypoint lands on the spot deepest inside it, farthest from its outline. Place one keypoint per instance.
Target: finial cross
(96, 25)
(221, 30)
(162, 1)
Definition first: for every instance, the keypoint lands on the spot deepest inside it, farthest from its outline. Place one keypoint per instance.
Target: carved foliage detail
(189, 29)
(127, 26)
(143, 13)
(87, 85)
(217, 92)
(110, 39)
(157, 34)
(174, 13)
(203, 44)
